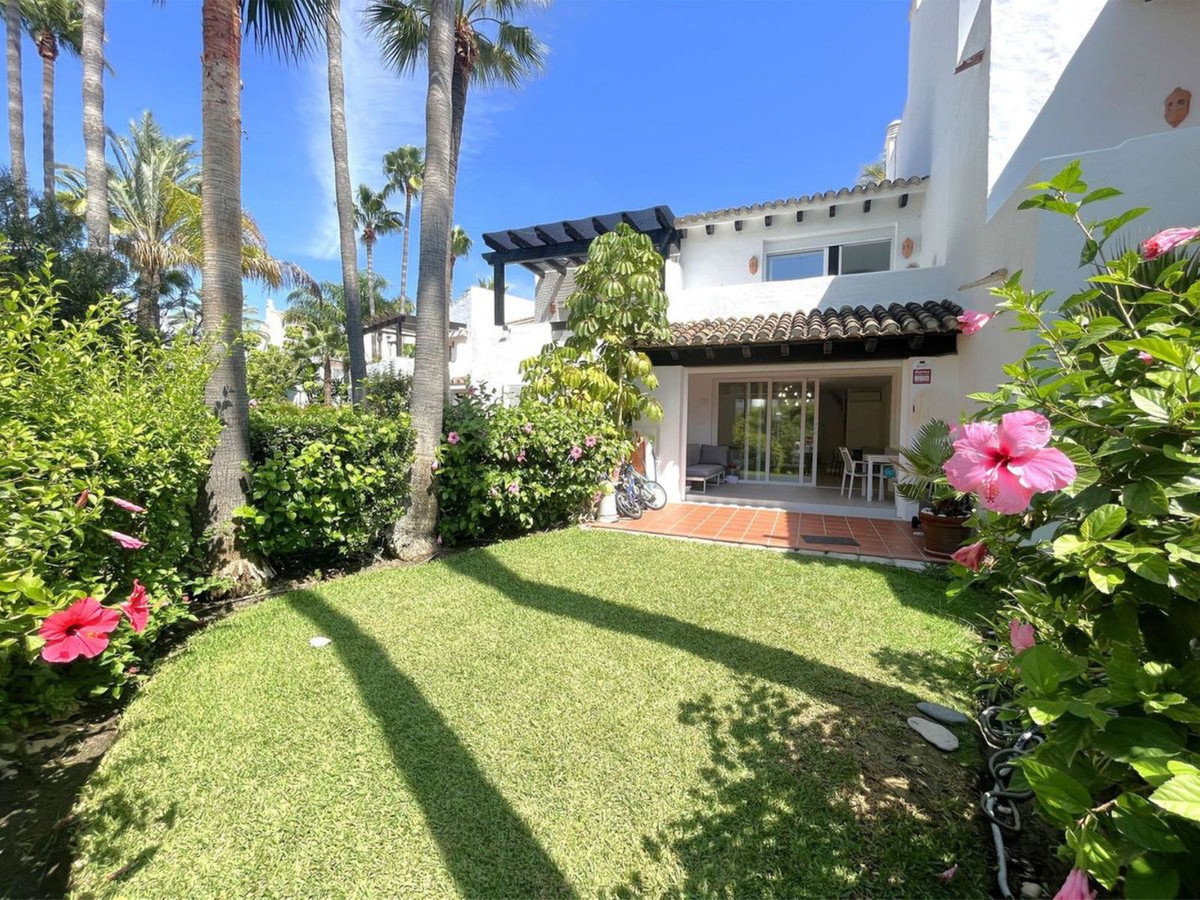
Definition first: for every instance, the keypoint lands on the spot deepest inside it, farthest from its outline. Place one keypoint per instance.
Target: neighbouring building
(804, 325)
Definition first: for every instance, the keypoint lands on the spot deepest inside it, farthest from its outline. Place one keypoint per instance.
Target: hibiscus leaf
(1181, 796)
(1062, 797)
(1137, 819)
(1152, 402)
(1151, 877)
(1102, 522)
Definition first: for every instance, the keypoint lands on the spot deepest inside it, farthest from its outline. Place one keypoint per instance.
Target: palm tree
(371, 213)
(504, 54)
(413, 536)
(460, 245)
(405, 169)
(92, 51)
(155, 215)
(16, 106)
(319, 314)
(289, 29)
(345, 202)
(872, 173)
(53, 25)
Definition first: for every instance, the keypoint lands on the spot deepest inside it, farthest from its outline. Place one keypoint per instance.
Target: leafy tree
(405, 169)
(413, 536)
(618, 306)
(319, 316)
(372, 214)
(53, 25)
(273, 372)
(53, 235)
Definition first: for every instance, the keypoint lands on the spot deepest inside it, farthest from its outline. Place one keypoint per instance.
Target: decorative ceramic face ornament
(1177, 106)
(906, 248)
(754, 265)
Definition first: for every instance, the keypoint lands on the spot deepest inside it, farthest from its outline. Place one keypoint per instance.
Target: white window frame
(826, 238)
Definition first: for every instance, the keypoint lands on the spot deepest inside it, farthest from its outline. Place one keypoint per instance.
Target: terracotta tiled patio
(847, 535)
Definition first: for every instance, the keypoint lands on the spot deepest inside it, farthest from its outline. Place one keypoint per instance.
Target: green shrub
(1101, 579)
(504, 471)
(326, 482)
(86, 406)
(388, 393)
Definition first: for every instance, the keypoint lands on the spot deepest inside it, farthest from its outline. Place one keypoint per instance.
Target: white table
(877, 459)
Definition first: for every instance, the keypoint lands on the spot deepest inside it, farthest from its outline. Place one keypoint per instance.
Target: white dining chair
(851, 468)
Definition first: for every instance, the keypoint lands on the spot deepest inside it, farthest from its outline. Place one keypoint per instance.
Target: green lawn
(578, 713)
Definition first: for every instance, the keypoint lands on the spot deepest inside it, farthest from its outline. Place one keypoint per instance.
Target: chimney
(889, 149)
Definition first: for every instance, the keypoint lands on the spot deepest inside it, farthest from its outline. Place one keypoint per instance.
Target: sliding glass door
(770, 428)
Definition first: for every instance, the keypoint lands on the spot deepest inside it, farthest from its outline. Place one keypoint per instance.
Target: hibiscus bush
(325, 482)
(1086, 468)
(508, 470)
(104, 443)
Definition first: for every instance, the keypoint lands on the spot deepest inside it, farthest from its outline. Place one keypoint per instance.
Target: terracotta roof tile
(859, 190)
(844, 323)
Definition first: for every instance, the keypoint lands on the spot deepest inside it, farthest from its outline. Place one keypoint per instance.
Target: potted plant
(608, 503)
(943, 510)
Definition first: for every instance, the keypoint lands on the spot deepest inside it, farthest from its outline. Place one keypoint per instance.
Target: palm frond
(290, 29)
(402, 29)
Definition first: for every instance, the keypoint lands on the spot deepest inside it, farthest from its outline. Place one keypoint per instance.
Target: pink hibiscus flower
(529, 428)
(1020, 635)
(949, 874)
(452, 437)
(576, 452)
(433, 466)
(1145, 357)
(136, 608)
(521, 456)
(971, 555)
(1007, 464)
(127, 542)
(972, 321)
(126, 505)
(590, 440)
(1075, 887)
(514, 488)
(1168, 240)
(81, 629)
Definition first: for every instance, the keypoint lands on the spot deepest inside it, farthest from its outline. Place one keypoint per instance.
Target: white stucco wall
(722, 258)
(491, 353)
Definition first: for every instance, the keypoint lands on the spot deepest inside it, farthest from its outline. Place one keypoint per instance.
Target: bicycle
(636, 493)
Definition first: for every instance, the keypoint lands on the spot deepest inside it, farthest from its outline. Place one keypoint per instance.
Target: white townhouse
(805, 325)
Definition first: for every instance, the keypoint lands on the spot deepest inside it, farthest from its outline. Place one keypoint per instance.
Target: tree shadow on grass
(486, 846)
(794, 805)
(739, 654)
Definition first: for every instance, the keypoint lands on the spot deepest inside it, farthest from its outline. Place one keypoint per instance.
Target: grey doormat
(829, 539)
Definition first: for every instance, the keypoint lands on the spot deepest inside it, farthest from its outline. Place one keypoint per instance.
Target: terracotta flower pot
(944, 534)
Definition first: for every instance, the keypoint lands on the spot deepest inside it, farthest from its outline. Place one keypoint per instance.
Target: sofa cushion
(713, 455)
(704, 470)
(693, 454)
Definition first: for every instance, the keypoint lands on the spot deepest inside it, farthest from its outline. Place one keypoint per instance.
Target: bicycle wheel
(653, 495)
(628, 506)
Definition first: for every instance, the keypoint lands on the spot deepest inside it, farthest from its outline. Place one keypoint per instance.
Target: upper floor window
(837, 259)
(789, 266)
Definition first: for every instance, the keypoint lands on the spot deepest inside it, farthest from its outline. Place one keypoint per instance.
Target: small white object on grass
(319, 641)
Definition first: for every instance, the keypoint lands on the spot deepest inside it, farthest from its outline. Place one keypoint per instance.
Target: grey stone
(1031, 890)
(942, 713)
(934, 733)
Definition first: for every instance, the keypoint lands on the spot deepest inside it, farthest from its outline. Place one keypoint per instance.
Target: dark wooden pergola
(405, 325)
(561, 245)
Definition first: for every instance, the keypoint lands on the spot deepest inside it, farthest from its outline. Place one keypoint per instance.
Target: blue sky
(697, 105)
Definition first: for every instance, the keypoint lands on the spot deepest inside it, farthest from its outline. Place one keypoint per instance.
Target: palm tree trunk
(150, 287)
(328, 376)
(413, 537)
(95, 170)
(375, 353)
(458, 91)
(404, 259)
(16, 107)
(221, 289)
(48, 49)
(345, 201)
